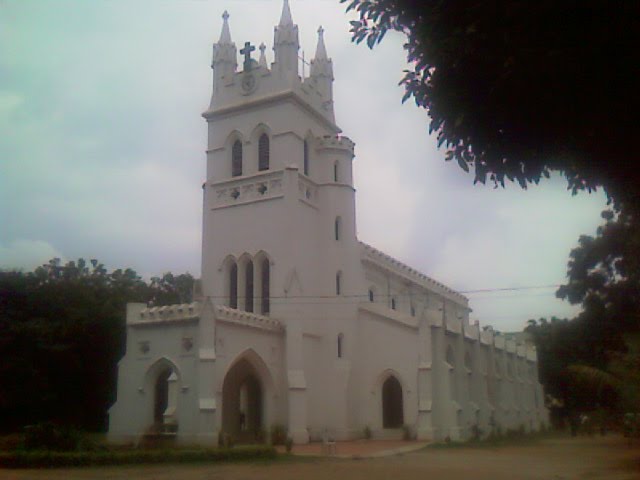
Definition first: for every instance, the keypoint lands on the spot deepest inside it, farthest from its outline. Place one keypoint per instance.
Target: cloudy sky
(102, 151)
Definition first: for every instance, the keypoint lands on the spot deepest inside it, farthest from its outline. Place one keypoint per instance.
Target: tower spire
(286, 44)
(321, 72)
(224, 62)
(225, 34)
(285, 18)
(321, 50)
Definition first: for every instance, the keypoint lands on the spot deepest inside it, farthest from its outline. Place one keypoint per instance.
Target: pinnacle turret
(286, 44)
(321, 72)
(224, 61)
(263, 59)
(321, 65)
(285, 17)
(225, 34)
(321, 50)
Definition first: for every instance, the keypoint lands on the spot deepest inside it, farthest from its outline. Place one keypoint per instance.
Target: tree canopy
(62, 332)
(518, 89)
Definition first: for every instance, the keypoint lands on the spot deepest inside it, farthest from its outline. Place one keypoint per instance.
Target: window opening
(248, 287)
(265, 287)
(236, 159)
(263, 152)
(233, 286)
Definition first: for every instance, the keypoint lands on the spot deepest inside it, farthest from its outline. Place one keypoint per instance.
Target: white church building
(297, 323)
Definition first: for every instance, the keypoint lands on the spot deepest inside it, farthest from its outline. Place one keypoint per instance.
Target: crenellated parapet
(335, 142)
(247, 319)
(183, 312)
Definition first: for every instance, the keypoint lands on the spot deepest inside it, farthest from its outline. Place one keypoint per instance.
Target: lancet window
(236, 159)
(265, 287)
(233, 286)
(263, 152)
(305, 159)
(248, 284)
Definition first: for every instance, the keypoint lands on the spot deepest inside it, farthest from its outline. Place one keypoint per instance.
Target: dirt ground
(554, 459)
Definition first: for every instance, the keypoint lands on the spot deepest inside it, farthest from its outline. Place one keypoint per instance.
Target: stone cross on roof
(246, 51)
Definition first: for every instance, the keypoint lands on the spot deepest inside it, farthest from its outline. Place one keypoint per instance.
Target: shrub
(49, 436)
(11, 442)
(367, 432)
(278, 435)
(406, 432)
(289, 444)
(50, 458)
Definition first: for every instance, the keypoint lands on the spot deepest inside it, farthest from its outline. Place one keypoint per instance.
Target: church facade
(296, 323)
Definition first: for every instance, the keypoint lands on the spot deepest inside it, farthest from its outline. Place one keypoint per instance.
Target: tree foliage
(62, 332)
(593, 359)
(518, 89)
(604, 272)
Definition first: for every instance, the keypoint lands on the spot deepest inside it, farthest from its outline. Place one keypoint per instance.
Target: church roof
(420, 278)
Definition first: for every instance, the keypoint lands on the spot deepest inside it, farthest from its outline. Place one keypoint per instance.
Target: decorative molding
(247, 189)
(247, 319)
(179, 313)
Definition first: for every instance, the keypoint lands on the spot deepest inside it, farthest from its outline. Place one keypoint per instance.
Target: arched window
(335, 172)
(413, 310)
(233, 286)
(263, 152)
(393, 303)
(306, 157)
(340, 345)
(338, 283)
(265, 287)
(371, 295)
(336, 228)
(248, 287)
(236, 159)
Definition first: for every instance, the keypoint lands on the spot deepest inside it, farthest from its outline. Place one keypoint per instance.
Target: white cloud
(26, 254)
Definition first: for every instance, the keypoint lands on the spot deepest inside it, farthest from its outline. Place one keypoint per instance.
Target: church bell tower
(279, 235)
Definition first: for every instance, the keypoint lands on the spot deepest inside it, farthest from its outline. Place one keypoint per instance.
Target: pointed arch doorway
(244, 402)
(392, 405)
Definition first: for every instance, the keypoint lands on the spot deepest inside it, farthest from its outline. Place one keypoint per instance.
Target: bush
(11, 442)
(278, 435)
(367, 432)
(51, 459)
(49, 436)
(406, 432)
(289, 444)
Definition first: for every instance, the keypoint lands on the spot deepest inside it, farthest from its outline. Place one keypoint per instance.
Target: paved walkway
(358, 448)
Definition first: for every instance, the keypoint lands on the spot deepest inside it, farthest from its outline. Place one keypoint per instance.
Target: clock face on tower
(249, 83)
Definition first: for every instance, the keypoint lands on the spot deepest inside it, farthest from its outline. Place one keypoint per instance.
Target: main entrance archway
(243, 402)
(392, 408)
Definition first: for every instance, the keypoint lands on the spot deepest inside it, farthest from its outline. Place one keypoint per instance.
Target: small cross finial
(246, 51)
(320, 30)
(225, 15)
(262, 47)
